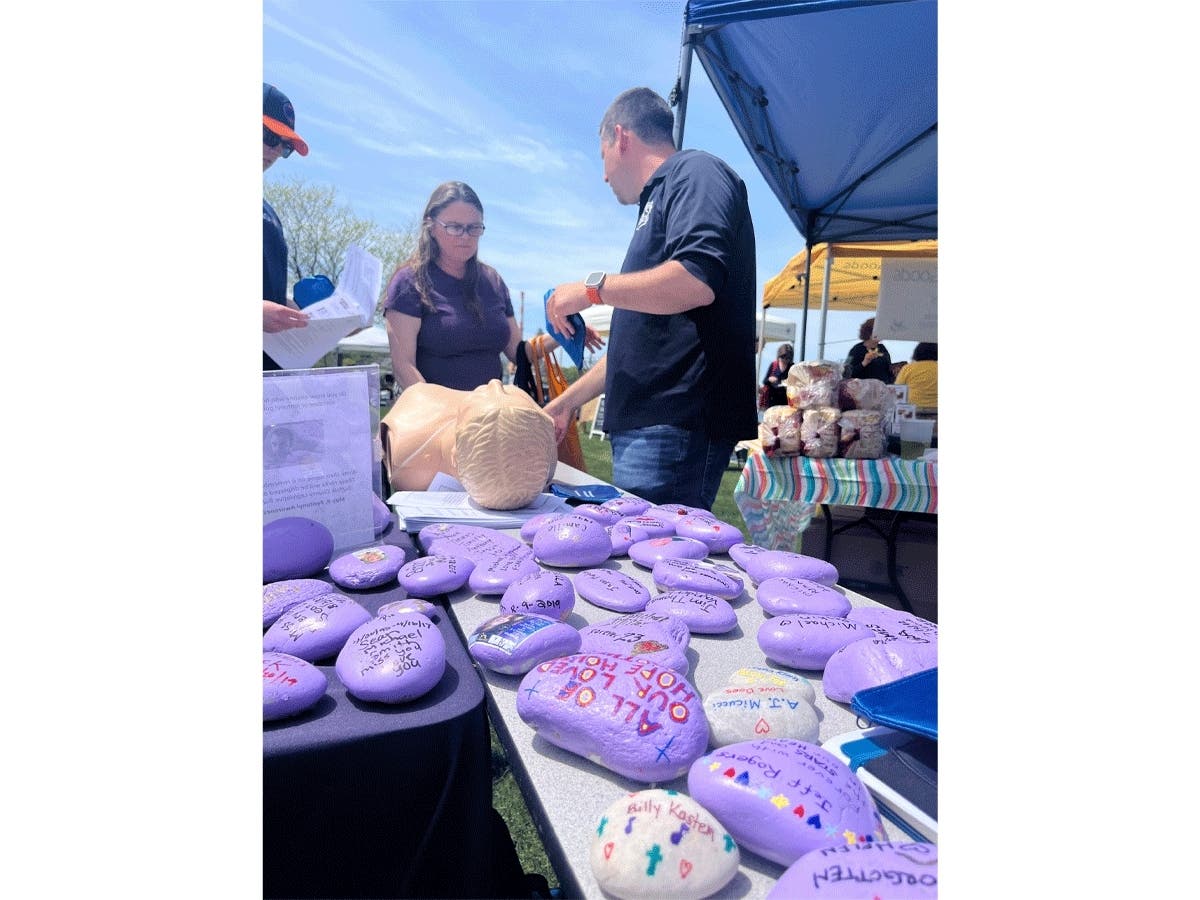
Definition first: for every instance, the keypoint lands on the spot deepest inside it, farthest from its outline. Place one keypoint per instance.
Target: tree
(319, 228)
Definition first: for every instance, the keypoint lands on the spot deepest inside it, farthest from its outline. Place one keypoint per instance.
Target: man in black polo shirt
(679, 376)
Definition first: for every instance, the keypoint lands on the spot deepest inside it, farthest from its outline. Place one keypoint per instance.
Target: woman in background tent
(921, 376)
(776, 392)
(869, 358)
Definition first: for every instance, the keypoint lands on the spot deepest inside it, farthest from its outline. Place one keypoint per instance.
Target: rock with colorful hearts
(432, 576)
(866, 664)
(784, 563)
(280, 596)
(647, 553)
(651, 526)
(716, 535)
(291, 685)
(610, 589)
(381, 515)
(783, 596)
(639, 719)
(392, 659)
(627, 505)
(315, 629)
(887, 870)
(541, 593)
(470, 541)
(494, 574)
(602, 514)
(782, 798)
(779, 677)
(701, 613)
(749, 712)
(368, 567)
(660, 843)
(807, 641)
(531, 525)
(887, 622)
(295, 547)
(698, 575)
(572, 542)
(650, 636)
(513, 643)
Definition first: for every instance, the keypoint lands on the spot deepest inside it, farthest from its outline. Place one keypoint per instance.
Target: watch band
(593, 294)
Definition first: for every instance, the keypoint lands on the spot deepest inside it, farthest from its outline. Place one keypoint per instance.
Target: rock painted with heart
(610, 589)
(702, 613)
(865, 664)
(887, 870)
(779, 677)
(431, 576)
(654, 637)
(291, 685)
(749, 712)
(317, 628)
(280, 596)
(512, 643)
(807, 642)
(541, 593)
(718, 536)
(783, 798)
(639, 719)
(783, 595)
(660, 843)
(646, 553)
(393, 659)
(368, 567)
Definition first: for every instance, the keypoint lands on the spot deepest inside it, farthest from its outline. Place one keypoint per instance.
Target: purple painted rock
(290, 685)
(628, 505)
(602, 514)
(690, 854)
(698, 575)
(431, 576)
(295, 547)
(367, 568)
(783, 798)
(807, 641)
(622, 536)
(701, 613)
(494, 574)
(407, 606)
(315, 629)
(572, 541)
(716, 535)
(652, 527)
(469, 541)
(647, 553)
(381, 515)
(866, 664)
(784, 563)
(280, 596)
(531, 525)
(638, 719)
(886, 622)
(541, 593)
(668, 512)
(650, 636)
(753, 675)
(610, 589)
(393, 659)
(783, 596)
(887, 870)
(514, 643)
(741, 554)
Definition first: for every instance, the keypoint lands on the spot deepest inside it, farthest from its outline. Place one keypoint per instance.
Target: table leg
(828, 530)
(893, 578)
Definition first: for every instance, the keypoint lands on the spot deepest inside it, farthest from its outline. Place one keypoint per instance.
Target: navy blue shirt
(694, 370)
(275, 256)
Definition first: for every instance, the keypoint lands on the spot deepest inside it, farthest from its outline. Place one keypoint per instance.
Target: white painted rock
(280, 596)
(655, 637)
(393, 659)
(317, 628)
(291, 685)
(431, 576)
(778, 677)
(782, 596)
(782, 798)
(638, 719)
(541, 593)
(707, 577)
(572, 541)
(702, 613)
(610, 589)
(494, 574)
(807, 642)
(368, 567)
(512, 644)
(748, 712)
(866, 664)
(659, 843)
(877, 870)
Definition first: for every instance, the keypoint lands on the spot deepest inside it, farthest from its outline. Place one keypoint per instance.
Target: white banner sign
(907, 308)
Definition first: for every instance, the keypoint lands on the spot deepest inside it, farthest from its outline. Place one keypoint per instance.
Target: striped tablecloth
(777, 496)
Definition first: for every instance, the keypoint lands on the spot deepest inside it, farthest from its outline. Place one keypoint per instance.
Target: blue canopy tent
(836, 100)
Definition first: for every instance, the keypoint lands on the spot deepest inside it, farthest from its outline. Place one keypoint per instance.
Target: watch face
(594, 280)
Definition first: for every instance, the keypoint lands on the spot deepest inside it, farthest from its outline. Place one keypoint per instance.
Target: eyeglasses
(271, 139)
(455, 229)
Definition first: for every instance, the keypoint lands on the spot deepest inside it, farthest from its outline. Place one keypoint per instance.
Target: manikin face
(493, 395)
(455, 250)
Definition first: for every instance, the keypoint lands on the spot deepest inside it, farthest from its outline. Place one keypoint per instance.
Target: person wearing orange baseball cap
(279, 140)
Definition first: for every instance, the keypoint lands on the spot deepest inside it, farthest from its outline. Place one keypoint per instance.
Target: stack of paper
(416, 509)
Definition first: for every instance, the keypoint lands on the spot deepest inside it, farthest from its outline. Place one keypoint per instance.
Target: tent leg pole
(825, 297)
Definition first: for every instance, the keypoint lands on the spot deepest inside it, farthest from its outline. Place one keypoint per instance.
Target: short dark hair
(784, 350)
(923, 352)
(643, 112)
(866, 329)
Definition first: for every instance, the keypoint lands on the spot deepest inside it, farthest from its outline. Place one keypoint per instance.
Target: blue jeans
(666, 464)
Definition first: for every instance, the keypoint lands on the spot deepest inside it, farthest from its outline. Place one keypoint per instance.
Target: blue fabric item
(574, 344)
(836, 100)
(666, 464)
(311, 290)
(908, 704)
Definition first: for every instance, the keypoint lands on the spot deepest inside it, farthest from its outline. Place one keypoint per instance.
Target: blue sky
(395, 98)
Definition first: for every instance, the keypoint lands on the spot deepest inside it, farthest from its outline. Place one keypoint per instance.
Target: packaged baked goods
(779, 431)
(819, 431)
(865, 393)
(813, 383)
(860, 434)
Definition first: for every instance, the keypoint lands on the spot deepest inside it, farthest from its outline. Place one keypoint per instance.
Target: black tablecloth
(373, 800)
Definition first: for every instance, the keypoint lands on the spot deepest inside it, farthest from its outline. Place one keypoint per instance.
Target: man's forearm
(589, 386)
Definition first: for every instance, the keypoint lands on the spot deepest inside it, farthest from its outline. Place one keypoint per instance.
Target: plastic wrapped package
(866, 393)
(819, 431)
(860, 434)
(813, 383)
(779, 431)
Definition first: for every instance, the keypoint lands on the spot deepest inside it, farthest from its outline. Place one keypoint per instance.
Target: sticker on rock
(393, 659)
(512, 644)
(290, 685)
(661, 843)
(896, 870)
(367, 568)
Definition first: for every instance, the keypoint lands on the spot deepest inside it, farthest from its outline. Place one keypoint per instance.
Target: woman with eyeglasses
(773, 381)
